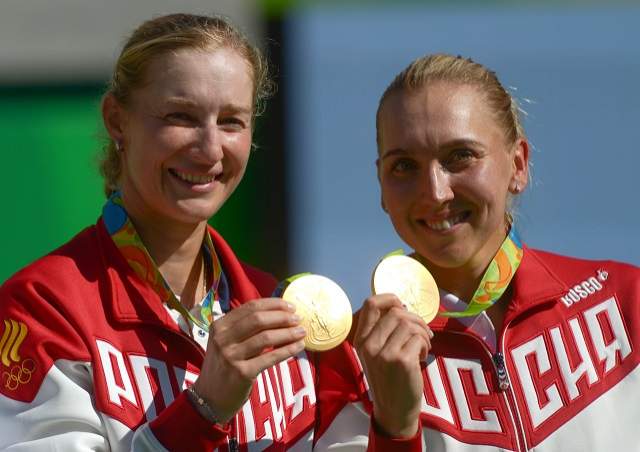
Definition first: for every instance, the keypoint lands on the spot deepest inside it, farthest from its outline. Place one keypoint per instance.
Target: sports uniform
(563, 376)
(91, 359)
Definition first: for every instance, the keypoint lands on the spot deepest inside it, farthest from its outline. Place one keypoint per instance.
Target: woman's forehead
(434, 114)
(196, 74)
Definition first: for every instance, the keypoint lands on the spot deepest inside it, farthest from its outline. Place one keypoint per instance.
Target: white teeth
(445, 224)
(193, 178)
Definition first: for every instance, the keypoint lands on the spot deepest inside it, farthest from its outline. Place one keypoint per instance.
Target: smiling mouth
(198, 179)
(446, 224)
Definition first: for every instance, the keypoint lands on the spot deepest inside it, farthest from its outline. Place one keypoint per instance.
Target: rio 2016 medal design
(410, 281)
(323, 306)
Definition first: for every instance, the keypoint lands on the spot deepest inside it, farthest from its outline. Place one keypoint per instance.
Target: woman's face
(445, 171)
(186, 135)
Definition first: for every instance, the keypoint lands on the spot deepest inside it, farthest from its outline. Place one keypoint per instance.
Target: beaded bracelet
(202, 406)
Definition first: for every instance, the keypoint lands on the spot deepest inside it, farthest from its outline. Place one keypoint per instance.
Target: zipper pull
(233, 444)
(503, 379)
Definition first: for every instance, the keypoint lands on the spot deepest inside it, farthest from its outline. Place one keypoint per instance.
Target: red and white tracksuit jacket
(567, 360)
(90, 359)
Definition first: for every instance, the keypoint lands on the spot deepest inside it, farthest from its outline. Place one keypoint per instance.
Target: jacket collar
(534, 283)
(130, 300)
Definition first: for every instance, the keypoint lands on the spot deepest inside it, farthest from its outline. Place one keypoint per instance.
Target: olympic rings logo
(19, 374)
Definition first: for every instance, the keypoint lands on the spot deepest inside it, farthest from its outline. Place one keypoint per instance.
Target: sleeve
(45, 377)
(47, 393)
(378, 441)
(343, 421)
(177, 426)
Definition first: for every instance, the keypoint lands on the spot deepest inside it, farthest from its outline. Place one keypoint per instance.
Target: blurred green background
(51, 188)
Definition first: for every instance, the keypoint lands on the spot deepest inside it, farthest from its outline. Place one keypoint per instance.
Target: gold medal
(324, 308)
(410, 281)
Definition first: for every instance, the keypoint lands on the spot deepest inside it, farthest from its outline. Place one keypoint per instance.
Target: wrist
(401, 428)
(203, 407)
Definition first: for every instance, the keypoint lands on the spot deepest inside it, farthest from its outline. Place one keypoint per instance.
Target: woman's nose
(436, 185)
(210, 145)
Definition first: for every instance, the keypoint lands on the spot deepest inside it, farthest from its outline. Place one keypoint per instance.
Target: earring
(516, 188)
(118, 145)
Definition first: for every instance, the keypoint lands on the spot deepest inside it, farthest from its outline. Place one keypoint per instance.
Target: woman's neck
(176, 250)
(460, 281)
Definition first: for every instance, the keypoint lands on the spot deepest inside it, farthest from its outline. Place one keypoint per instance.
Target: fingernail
(431, 334)
(299, 331)
(290, 306)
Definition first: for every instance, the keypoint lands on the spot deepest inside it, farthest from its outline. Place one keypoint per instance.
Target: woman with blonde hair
(530, 350)
(145, 331)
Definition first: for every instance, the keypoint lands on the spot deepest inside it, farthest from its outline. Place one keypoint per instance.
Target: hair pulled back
(157, 37)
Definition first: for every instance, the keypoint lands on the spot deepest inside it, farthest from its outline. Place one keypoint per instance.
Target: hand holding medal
(410, 281)
(323, 306)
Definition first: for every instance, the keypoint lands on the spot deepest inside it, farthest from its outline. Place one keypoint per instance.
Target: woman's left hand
(391, 342)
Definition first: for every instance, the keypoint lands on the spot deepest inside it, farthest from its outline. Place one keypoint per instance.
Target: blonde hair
(463, 71)
(163, 34)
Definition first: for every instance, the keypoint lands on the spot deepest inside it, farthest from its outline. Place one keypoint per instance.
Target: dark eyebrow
(235, 108)
(393, 153)
(456, 143)
(186, 103)
(180, 101)
(463, 142)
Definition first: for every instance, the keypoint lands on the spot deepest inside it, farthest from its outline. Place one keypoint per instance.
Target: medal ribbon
(125, 237)
(496, 278)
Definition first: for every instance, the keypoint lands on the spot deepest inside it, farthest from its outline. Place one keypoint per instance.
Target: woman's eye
(180, 117)
(459, 157)
(232, 122)
(402, 166)
(462, 154)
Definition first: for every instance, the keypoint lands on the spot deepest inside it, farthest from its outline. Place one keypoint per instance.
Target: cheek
(486, 188)
(238, 149)
(398, 199)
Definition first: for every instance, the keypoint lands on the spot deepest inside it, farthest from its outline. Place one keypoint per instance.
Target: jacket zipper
(520, 433)
(233, 440)
(500, 368)
(503, 379)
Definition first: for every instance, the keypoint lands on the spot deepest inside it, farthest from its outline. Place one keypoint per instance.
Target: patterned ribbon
(496, 279)
(124, 235)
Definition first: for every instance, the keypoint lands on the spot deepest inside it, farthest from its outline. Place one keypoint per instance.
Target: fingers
(233, 331)
(273, 338)
(254, 307)
(249, 369)
(390, 334)
(379, 317)
(250, 330)
(273, 357)
(371, 311)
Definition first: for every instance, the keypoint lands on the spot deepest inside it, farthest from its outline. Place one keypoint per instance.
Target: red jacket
(91, 359)
(570, 349)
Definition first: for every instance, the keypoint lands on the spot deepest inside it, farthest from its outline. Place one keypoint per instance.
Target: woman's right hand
(244, 342)
(391, 342)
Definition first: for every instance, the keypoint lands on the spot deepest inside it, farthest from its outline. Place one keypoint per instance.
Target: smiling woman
(530, 350)
(145, 332)
(184, 138)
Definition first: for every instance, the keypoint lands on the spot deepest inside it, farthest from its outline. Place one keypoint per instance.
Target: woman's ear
(520, 166)
(114, 117)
